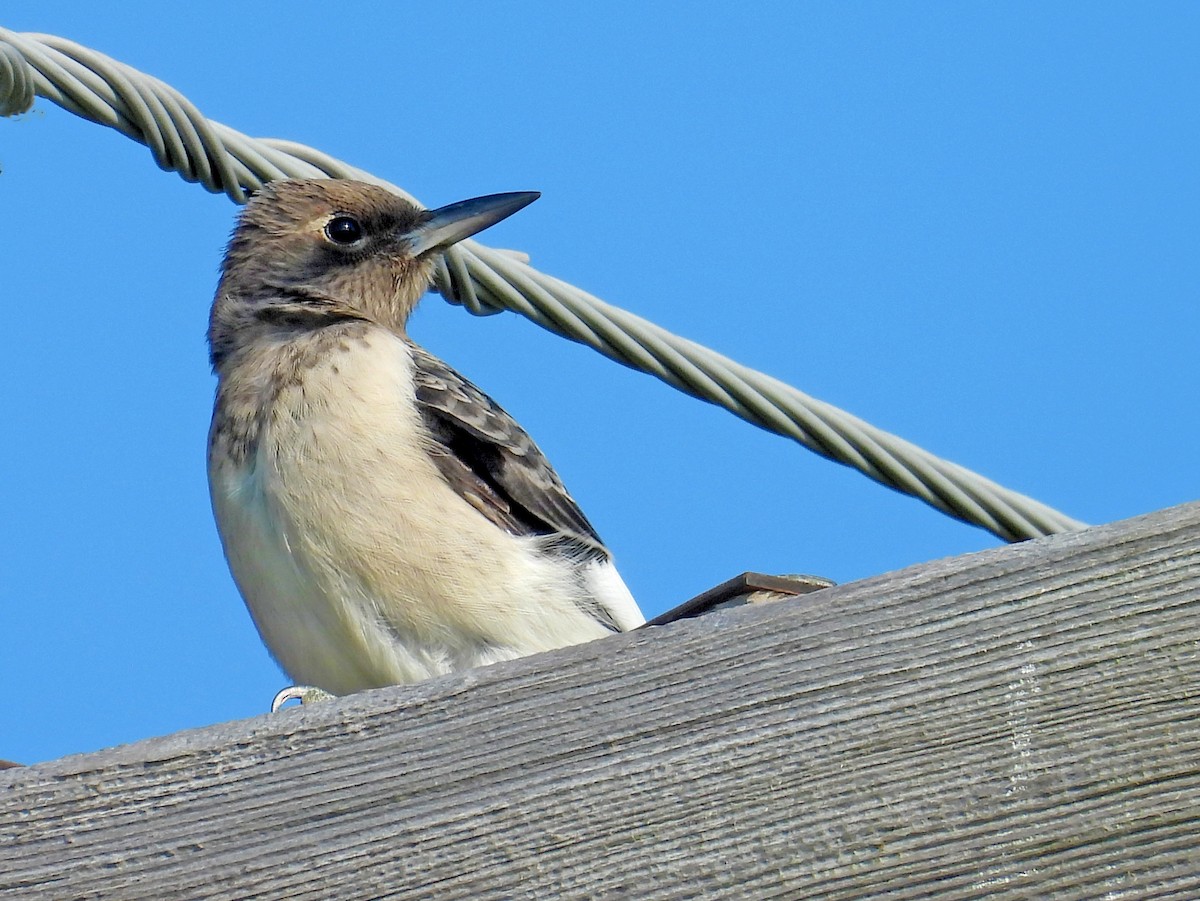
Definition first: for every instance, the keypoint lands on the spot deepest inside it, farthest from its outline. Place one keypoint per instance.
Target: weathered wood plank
(1011, 724)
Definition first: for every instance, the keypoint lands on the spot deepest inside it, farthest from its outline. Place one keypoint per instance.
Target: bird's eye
(344, 230)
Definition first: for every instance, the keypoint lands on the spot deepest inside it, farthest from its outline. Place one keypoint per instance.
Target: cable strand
(485, 281)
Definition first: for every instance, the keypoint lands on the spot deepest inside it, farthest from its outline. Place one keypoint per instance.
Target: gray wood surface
(1019, 723)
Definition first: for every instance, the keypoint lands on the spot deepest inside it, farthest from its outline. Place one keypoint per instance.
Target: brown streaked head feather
(282, 270)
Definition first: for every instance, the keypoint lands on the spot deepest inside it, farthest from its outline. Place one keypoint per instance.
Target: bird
(384, 519)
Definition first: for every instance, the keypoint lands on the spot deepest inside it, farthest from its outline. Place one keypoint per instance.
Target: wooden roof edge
(1023, 718)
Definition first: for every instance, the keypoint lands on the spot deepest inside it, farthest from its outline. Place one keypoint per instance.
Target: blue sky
(974, 225)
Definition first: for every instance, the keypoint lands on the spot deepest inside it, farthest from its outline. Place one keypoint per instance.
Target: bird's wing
(490, 460)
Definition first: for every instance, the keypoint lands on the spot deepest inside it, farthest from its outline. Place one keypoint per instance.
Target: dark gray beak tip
(452, 223)
(526, 197)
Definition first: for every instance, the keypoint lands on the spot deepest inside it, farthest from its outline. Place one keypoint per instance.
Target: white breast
(360, 565)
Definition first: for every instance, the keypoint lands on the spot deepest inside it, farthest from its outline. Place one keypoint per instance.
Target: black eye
(343, 230)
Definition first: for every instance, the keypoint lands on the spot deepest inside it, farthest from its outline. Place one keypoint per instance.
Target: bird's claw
(305, 694)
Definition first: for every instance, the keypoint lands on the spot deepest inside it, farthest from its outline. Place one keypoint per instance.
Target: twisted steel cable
(485, 280)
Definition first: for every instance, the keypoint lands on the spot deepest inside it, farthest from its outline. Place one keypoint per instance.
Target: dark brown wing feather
(493, 463)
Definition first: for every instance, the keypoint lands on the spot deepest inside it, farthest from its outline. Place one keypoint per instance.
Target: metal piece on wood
(1012, 724)
(748, 588)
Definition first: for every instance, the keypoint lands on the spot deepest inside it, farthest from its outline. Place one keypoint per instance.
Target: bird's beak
(450, 224)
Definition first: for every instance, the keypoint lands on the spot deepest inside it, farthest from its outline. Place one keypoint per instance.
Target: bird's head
(304, 248)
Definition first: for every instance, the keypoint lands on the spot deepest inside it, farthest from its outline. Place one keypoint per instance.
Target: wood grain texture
(1018, 723)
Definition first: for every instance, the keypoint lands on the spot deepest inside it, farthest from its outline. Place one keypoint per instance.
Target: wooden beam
(1017, 723)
